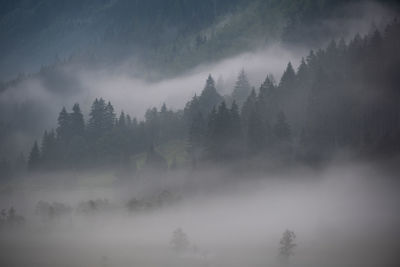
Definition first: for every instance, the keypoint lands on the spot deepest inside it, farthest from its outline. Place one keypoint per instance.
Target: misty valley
(199, 133)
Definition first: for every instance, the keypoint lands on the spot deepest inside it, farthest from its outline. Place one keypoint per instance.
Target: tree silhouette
(179, 241)
(242, 88)
(287, 245)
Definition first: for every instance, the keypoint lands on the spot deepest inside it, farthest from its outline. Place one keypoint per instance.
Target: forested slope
(343, 97)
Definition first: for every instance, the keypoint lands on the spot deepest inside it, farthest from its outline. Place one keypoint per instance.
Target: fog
(135, 95)
(345, 214)
(144, 197)
(43, 96)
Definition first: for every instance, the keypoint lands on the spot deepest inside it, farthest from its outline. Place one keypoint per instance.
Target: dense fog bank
(343, 214)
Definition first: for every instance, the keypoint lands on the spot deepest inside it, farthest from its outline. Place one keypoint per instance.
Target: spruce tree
(288, 78)
(209, 97)
(267, 99)
(48, 149)
(122, 122)
(96, 124)
(109, 117)
(63, 128)
(77, 122)
(242, 88)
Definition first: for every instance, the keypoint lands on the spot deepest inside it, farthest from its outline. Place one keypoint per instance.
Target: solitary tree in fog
(179, 241)
(287, 245)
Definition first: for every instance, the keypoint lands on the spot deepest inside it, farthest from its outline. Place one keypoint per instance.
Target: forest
(213, 133)
(343, 97)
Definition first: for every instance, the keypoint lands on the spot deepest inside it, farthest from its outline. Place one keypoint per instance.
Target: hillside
(163, 35)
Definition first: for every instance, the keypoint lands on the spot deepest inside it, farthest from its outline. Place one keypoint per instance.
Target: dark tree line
(105, 139)
(343, 97)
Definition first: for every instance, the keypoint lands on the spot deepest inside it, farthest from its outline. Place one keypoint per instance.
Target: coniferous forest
(213, 133)
(342, 97)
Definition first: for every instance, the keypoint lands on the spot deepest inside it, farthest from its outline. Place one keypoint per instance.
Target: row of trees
(220, 132)
(345, 96)
(104, 139)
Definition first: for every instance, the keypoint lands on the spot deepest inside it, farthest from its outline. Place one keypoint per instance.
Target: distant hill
(168, 35)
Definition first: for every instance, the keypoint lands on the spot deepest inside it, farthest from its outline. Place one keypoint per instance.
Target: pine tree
(163, 109)
(209, 97)
(267, 99)
(288, 78)
(302, 71)
(109, 117)
(63, 128)
(242, 89)
(96, 118)
(122, 120)
(48, 148)
(77, 122)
